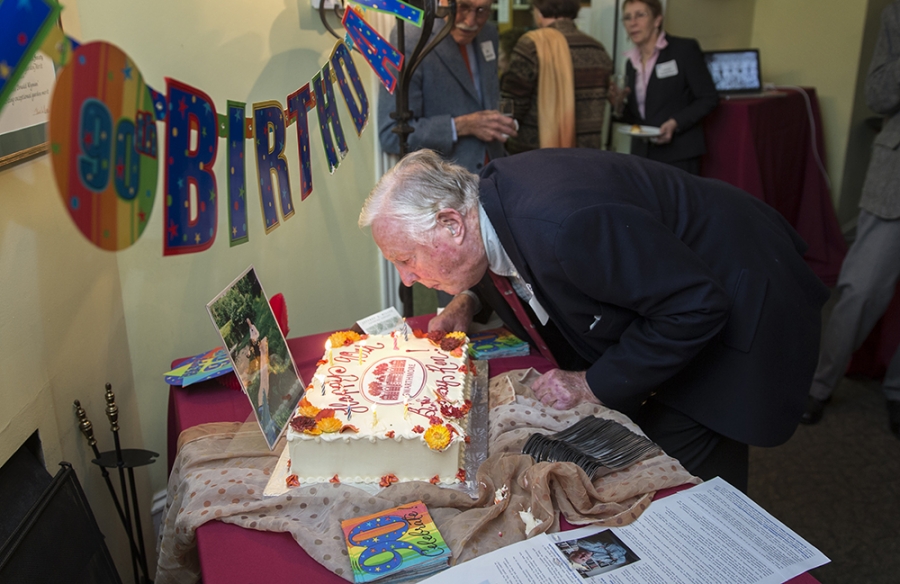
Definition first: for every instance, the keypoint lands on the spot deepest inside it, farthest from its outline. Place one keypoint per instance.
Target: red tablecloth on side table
(765, 147)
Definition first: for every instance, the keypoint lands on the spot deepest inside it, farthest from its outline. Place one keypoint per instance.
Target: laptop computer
(736, 73)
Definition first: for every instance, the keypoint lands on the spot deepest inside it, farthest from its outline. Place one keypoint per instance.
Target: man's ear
(452, 221)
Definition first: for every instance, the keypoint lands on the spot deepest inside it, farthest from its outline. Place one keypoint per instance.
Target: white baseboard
(156, 511)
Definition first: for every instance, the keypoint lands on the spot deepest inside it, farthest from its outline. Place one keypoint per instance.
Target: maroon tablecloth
(230, 554)
(765, 147)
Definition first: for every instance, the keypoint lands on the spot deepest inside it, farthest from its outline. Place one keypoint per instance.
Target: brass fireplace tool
(123, 459)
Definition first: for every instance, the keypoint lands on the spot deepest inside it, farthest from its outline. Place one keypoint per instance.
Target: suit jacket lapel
(490, 200)
(448, 52)
(490, 92)
(655, 98)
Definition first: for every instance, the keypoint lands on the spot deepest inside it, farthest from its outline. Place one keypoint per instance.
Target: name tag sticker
(669, 69)
(487, 49)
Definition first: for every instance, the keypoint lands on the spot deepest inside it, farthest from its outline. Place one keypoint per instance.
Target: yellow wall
(716, 24)
(74, 317)
(815, 43)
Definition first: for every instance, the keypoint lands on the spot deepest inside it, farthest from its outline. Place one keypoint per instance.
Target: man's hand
(563, 390)
(666, 131)
(486, 125)
(457, 316)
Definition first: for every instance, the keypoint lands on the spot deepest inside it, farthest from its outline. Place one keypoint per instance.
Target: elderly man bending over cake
(682, 302)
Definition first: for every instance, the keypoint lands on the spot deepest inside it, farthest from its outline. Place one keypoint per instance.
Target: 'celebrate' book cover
(395, 545)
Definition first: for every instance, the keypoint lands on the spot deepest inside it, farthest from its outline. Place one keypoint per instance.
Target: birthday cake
(383, 409)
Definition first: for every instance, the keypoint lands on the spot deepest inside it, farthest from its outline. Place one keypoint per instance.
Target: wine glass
(618, 81)
(506, 106)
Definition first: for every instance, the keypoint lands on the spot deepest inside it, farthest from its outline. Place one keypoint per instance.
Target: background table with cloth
(758, 145)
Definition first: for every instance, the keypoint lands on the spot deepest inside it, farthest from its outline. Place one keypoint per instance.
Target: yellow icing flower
(343, 338)
(328, 425)
(306, 409)
(314, 431)
(437, 437)
(458, 335)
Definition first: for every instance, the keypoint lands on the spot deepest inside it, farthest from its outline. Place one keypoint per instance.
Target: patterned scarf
(556, 89)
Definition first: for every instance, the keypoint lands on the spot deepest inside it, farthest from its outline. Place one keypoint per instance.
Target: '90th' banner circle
(104, 145)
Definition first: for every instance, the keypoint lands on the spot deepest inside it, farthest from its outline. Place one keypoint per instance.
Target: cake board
(476, 451)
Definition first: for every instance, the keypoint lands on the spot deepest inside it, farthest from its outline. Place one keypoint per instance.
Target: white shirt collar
(500, 264)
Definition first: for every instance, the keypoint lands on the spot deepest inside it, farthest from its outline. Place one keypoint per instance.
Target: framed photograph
(258, 352)
(23, 120)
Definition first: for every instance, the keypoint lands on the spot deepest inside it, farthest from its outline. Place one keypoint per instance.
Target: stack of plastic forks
(597, 445)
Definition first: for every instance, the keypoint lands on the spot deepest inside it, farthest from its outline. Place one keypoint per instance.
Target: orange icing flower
(334, 479)
(329, 425)
(326, 413)
(349, 428)
(321, 362)
(457, 352)
(461, 475)
(292, 481)
(437, 437)
(419, 333)
(343, 338)
(418, 429)
(306, 409)
(435, 480)
(388, 479)
(389, 434)
(314, 431)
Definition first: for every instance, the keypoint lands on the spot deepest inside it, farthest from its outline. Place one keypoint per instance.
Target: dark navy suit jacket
(687, 97)
(663, 284)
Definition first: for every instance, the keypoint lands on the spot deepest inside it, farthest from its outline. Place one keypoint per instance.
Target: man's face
(470, 18)
(581, 556)
(440, 263)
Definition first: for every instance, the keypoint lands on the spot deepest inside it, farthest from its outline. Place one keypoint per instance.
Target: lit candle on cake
(328, 350)
(406, 407)
(374, 415)
(362, 343)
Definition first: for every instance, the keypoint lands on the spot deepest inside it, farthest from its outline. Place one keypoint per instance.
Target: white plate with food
(639, 131)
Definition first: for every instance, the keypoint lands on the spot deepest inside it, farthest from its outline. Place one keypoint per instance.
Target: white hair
(416, 189)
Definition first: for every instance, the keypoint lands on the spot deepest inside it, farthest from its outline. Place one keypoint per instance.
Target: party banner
(105, 150)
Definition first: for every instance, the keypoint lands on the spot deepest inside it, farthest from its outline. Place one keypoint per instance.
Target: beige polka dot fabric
(222, 469)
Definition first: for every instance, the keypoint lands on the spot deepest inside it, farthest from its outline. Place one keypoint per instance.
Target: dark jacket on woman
(688, 96)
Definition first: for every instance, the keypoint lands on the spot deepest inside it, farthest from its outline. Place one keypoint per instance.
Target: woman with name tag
(668, 86)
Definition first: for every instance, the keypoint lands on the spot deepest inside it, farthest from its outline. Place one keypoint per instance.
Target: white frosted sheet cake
(382, 409)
